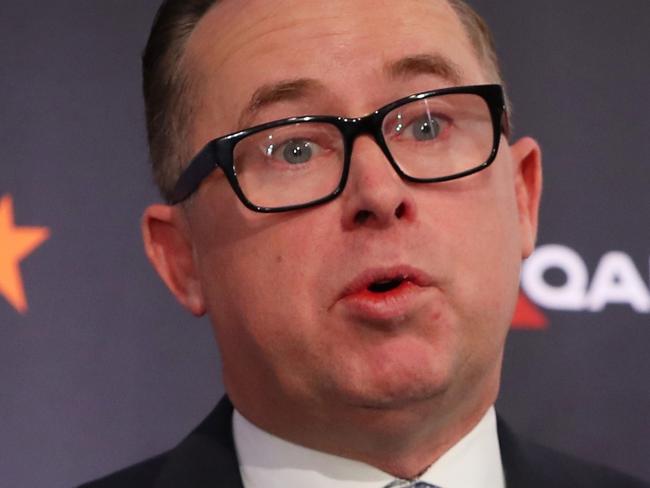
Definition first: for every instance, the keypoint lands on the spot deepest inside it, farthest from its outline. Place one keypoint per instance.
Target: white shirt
(266, 461)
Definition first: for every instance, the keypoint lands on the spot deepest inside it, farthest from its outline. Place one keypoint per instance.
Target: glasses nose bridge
(370, 125)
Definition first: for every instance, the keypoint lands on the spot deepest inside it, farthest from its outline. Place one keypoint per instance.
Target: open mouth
(386, 285)
(380, 283)
(386, 293)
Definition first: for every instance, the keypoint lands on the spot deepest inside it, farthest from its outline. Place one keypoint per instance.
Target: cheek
(484, 239)
(489, 224)
(259, 273)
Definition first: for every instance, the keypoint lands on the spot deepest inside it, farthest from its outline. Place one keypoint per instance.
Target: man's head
(312, 349)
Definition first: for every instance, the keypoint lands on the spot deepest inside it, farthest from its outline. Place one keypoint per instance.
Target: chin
(388, 403)
(397, 395)
(395, 374)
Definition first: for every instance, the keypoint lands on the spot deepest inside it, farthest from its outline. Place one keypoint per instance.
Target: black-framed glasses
(299, 162)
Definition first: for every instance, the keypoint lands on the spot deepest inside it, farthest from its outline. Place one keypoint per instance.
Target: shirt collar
(267, 461)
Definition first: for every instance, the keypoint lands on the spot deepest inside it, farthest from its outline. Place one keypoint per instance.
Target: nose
(376, 196)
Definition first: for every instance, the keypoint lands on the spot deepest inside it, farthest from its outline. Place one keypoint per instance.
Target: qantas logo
(556, 277)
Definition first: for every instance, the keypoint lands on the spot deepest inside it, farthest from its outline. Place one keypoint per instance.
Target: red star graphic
(16, 243)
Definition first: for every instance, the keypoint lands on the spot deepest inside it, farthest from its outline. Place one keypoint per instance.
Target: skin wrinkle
(240, 38)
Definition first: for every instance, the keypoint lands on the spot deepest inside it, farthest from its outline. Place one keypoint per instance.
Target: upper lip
(374, 275)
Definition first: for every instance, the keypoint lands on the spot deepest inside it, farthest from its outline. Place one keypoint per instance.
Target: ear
(527, 160)
(168, 245)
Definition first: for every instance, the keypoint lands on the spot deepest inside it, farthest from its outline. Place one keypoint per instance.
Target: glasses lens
(290, 164)
(440, 136)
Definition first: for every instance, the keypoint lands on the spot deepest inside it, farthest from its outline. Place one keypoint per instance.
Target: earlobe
(168, 246)
(527, 159)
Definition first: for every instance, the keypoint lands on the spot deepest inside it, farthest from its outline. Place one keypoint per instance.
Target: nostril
(362, 216)
(400, 210)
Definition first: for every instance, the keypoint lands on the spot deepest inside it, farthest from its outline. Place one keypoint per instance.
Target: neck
(403, 441)
(403, 446)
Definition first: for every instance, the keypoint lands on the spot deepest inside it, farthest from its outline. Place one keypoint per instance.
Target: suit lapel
(515, 463)
(207, 457)
(528, 465)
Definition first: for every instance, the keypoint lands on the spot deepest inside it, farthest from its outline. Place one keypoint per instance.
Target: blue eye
(418, 125)
(425, 129)
(297, 151)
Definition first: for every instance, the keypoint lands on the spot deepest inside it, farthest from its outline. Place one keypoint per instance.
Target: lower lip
(390, 305)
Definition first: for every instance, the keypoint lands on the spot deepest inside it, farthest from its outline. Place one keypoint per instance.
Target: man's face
(288, 293)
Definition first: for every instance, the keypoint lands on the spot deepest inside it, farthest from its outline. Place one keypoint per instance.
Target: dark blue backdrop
(104, 368)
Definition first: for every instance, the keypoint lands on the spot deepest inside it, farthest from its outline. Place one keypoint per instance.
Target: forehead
(241, 45)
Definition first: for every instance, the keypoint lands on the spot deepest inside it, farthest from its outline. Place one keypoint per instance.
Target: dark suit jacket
(207, 459)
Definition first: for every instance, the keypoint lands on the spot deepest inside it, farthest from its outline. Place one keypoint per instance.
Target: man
(344, 204)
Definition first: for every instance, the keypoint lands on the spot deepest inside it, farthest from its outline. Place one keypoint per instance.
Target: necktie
(409, 484)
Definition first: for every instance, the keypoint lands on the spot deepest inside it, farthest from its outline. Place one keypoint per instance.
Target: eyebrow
(282, 91)
(300, 88)
(425, 64)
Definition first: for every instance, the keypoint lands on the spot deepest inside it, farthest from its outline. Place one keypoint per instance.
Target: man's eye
(425, 128)
(295, 151)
